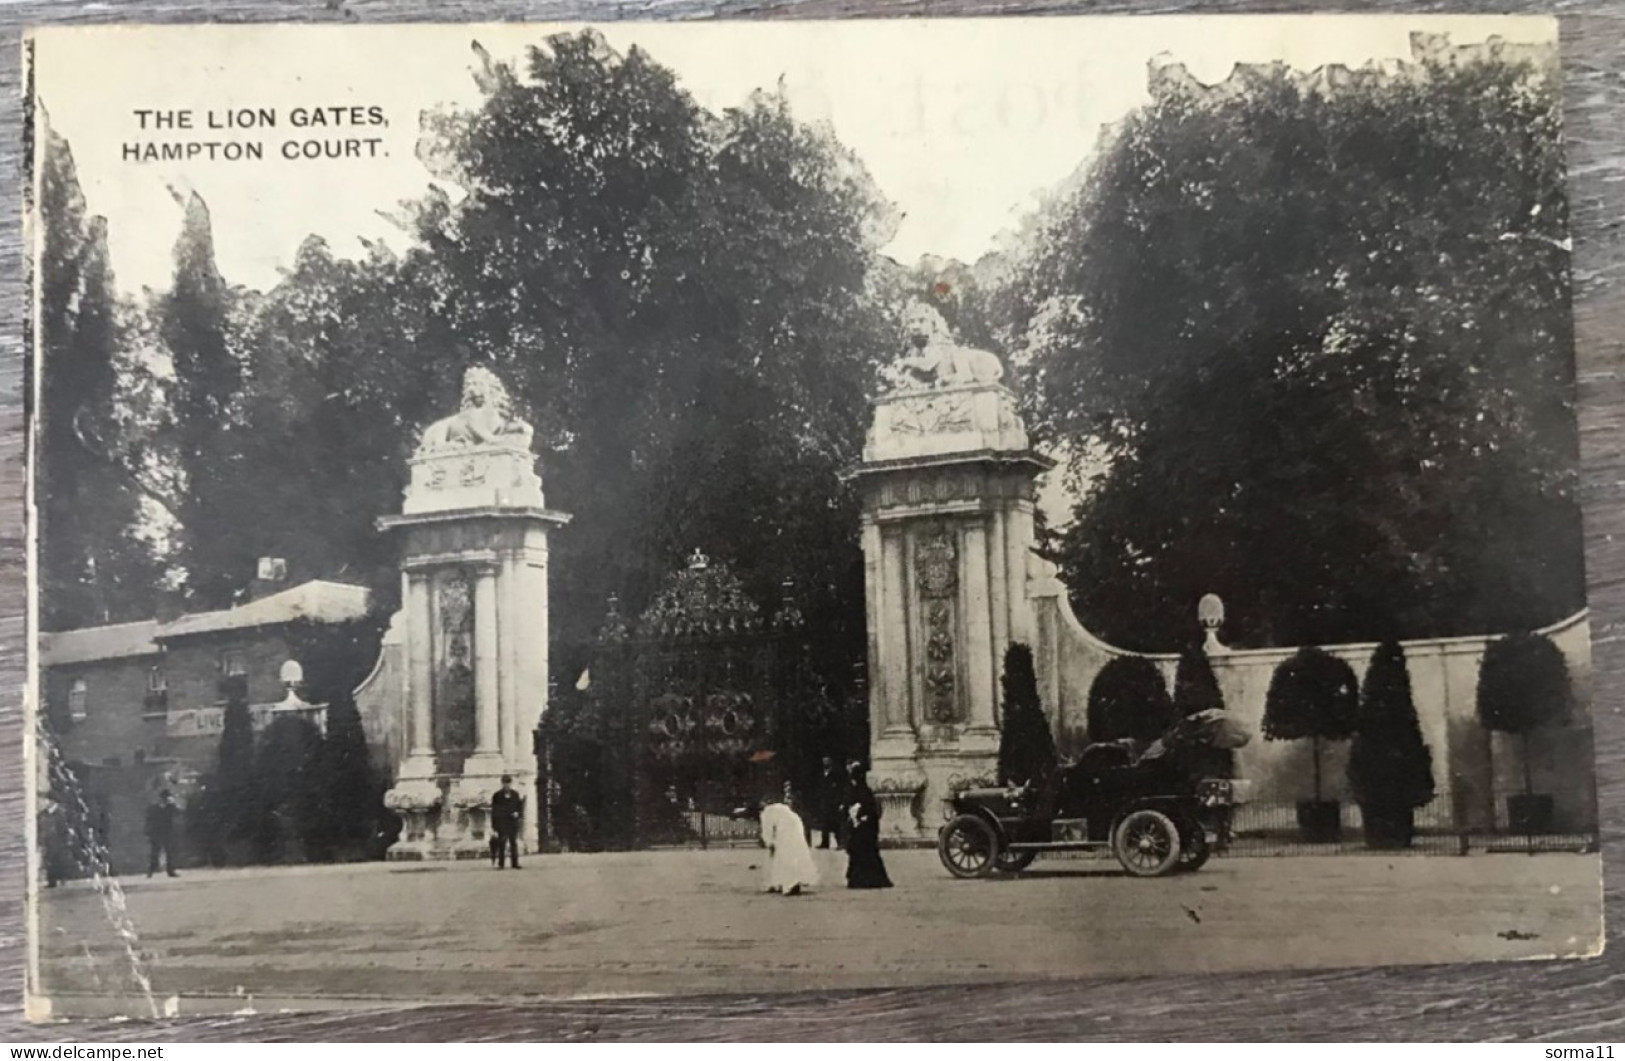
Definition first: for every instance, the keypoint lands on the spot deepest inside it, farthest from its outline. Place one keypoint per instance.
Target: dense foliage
(682, 301)
(1129, 698)
(93, 565)
(1523, 684)
(1318, 330)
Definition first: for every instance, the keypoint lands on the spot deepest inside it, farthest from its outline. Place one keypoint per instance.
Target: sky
(964, 123)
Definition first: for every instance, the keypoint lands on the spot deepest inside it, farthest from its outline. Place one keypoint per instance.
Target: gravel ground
(695, 922)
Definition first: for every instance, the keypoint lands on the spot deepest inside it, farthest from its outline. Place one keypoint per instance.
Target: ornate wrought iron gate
(686, 715)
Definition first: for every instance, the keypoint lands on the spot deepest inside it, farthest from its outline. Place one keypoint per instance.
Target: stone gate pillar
(948, 486)
(474, 552)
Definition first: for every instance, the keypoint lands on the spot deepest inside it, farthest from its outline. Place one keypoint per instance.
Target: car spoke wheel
(1147, 843)
(1194, 852)
(1014, 861)
(968, 847)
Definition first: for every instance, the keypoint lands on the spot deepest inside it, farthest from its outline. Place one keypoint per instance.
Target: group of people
(846, 810)
(70, 845)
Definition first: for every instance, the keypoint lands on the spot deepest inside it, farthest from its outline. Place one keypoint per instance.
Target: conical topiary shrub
(1390, 768)
(1196, 689)
(1026, 746)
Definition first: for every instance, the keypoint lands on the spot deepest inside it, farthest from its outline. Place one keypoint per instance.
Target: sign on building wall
(211, 721)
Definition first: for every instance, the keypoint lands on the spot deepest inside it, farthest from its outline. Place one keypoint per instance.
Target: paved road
(694, 922)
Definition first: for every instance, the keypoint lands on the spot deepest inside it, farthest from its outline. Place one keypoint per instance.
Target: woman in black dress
(864, 869)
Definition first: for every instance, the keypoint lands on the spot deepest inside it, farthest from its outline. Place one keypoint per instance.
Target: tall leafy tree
(1318, 326)
(343, 362)
(681, 301)
(198, 322)
(95, 566)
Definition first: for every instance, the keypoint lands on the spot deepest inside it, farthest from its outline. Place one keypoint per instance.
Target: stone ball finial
(1210, 614)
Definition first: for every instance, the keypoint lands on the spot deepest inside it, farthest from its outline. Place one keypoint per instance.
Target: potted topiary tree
(1026, 746)
(1390, 768)
(1128, 699)
(1313, 696)
(1523, 685)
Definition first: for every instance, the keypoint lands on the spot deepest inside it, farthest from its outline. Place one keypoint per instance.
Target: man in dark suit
(507, 812)
(161, 834)
(832, 793)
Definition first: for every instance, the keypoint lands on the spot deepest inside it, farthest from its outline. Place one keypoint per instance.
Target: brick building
(138, 706)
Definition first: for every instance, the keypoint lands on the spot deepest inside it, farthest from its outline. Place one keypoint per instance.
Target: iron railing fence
(1273, 828)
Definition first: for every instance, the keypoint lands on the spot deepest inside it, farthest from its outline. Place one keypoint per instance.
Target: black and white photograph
(557, 512)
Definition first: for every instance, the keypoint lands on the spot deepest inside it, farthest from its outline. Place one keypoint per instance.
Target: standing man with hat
(507, 812)
(161, 833)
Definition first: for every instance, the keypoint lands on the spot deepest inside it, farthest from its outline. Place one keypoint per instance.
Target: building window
(76, 700)
(157, 698)
(233, 684)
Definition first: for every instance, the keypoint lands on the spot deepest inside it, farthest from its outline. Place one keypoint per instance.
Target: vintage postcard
(554, 511)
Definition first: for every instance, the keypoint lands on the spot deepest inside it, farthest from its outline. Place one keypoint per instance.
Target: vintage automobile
(1161, 808)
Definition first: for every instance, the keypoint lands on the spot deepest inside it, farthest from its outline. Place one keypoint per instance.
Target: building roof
(317, 601)
(120, 641)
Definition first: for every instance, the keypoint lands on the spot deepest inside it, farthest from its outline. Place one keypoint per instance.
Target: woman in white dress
(790, 867)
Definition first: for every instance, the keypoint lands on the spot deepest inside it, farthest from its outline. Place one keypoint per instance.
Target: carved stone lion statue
(485, 418)
(941, 362)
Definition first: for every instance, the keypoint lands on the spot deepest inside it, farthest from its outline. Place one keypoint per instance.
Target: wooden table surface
(1575, 1001)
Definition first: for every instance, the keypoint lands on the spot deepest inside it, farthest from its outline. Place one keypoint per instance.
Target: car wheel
(1014, 861)
(968, 847)
(1194, 852)
(1146, 843)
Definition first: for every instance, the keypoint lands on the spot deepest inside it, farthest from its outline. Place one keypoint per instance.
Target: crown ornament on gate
(703, 598)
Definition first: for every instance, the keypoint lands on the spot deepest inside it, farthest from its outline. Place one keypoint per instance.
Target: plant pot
(1529, 815)
(1320, 821)
(1387, 828)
